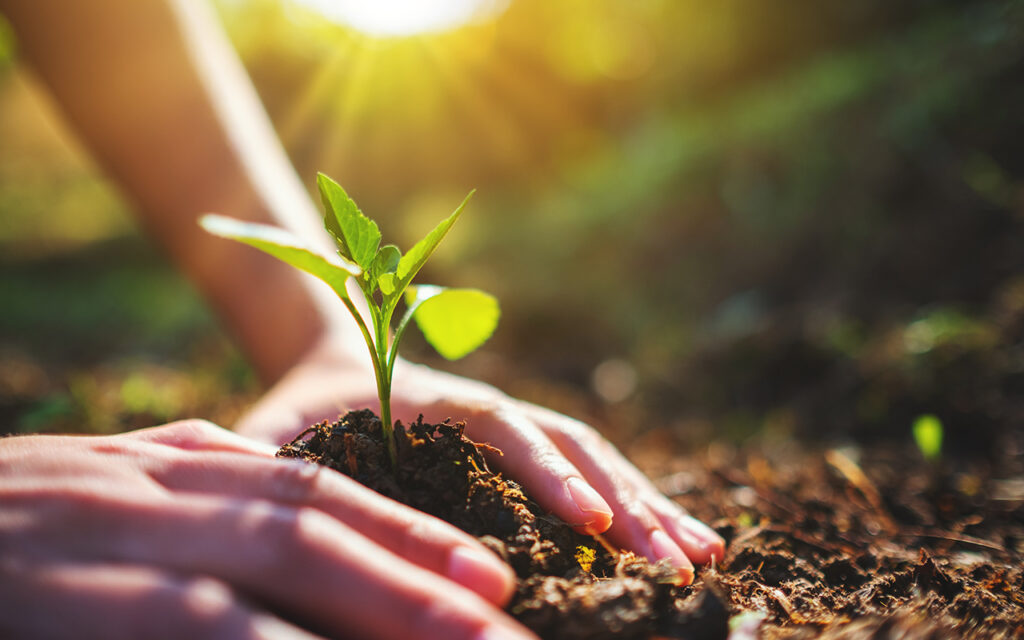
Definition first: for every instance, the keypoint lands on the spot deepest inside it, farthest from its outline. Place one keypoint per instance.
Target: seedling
(928, 436)
(454, 321)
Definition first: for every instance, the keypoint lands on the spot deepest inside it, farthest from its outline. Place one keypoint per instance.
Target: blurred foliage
(724, 218)
(6, 43)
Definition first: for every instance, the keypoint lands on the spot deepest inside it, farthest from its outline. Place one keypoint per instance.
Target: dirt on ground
(833, 543)
(871, 542)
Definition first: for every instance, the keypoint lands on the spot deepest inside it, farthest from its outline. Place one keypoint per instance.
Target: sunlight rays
(396, 114)
(421, 98)
(396, 18)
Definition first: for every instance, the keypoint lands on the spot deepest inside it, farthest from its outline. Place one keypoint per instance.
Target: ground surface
(852, 543)
(861, 543)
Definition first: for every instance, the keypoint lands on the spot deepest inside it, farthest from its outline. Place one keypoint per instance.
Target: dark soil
(840, 544)
(862, 543)
(570, 585)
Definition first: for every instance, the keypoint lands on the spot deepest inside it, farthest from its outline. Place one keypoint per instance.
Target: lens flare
(397, 18)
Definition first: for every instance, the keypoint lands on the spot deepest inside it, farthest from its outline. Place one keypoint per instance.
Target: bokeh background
(704, 220)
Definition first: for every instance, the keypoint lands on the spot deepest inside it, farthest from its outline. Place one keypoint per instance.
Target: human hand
(567, 466)
(191, 531)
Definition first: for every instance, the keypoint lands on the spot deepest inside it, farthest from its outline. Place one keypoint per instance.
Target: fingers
(194, 435)
(530, 456)
(699, 542)
(645, 520)
(305, 563)
(115, 602)
(635, 526)
(265, 540)
(568, 468)
(425, 540)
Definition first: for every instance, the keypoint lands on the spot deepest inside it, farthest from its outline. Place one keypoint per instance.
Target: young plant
(454, 321)
(927, 431)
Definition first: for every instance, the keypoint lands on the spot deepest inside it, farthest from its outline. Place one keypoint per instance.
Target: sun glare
(395, 18)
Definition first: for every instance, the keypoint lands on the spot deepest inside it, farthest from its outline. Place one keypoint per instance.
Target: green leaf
(928, 435)
(387, 285)
(283, 246)
(384, 263)
(411, 262)
(454, 321)
(356, 235)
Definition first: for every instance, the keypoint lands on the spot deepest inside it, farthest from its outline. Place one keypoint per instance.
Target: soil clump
(570, 586)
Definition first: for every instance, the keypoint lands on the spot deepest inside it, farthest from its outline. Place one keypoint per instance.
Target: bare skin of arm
(156, 93)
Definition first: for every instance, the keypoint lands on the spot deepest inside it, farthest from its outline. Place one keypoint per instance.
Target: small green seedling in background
(928, 436)
(454, 321)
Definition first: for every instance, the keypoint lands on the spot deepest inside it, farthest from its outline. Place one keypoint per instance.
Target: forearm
(156, 93)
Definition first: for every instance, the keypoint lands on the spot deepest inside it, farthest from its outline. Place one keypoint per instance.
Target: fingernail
(663, 547)
(481, 572)
(501, 633)
(597, 515)
(266, 627)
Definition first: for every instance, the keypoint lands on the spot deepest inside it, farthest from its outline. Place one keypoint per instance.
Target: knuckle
(412, 537)
(636, 511)
(421, 537)
(268, 528)
(296, 480)
(553, 461)
(445, 617)
(205, 608)
(577, 436)
(196, 427)
(203, 597)
(301, 530)
(184, 431)
(571, 431)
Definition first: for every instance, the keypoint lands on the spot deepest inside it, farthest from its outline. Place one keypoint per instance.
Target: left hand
(567, 466)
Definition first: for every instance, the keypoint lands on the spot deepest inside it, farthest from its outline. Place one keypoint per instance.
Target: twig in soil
(747, 535)
(488, 448)
(859, 480)
(783, 603)
(737, 478)
(823, 546)
(609, 547)
(953, 537)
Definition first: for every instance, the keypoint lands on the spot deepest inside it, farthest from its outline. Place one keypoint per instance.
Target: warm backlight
(392, 18)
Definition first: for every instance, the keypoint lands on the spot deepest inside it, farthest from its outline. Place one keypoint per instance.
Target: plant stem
(383, 379)
(380, 325)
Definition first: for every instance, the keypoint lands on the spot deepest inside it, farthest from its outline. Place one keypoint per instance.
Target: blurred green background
(703, 219)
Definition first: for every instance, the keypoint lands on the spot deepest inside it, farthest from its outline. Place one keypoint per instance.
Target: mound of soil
(844, 544)
(570, 586)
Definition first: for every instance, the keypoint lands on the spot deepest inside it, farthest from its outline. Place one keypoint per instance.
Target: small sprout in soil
(585, 557)
(928, 436)
(454, 321)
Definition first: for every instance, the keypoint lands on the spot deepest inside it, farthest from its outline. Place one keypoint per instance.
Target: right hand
(191, 531)
(566, 465)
